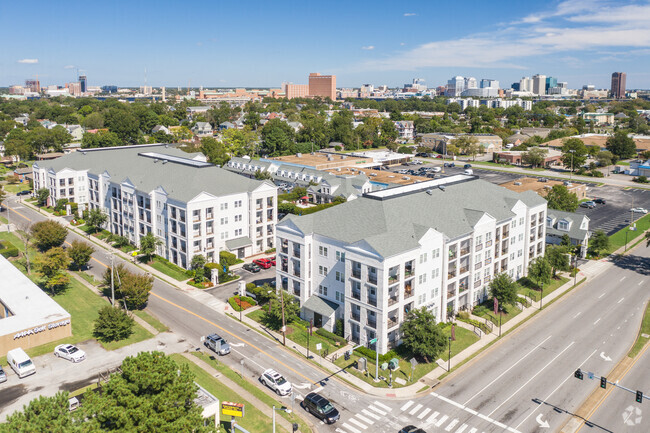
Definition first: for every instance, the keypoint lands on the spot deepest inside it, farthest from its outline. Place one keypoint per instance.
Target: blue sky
(262, 43)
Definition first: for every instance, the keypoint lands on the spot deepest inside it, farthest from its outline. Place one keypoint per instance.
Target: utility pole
(284, 331)
(541, 298)
(449, 356)
(571, 173)
(112, 283)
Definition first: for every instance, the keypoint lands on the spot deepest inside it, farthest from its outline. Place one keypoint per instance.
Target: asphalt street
(522, 383)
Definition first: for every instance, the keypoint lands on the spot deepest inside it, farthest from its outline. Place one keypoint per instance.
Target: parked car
(69, 352)
(467, 166)
(450, 164)
(320, 407)
(411, 429)
(271, 260)
(639, 210)
(263, 263)
(251, 267)
(468, 171)
(26, 192)
(3, 375)
(276, 382)
(542, 179)
(417, 162)
(20, 362)
(217, 344)
(439, 156)
(599, 200)
(588, 204)
(436, 169)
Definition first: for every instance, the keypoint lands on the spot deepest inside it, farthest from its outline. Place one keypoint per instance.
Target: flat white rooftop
(420, 186)
(29, 305)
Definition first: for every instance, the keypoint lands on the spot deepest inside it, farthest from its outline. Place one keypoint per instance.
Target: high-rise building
(322, 85)
(33, 85)
(455, 86)
(526, 84)
(471, 83)
(489, 83)
(539, 84)
(296, 90)
(550, 83)
(74, 88)
(618, 84)
(84, 83)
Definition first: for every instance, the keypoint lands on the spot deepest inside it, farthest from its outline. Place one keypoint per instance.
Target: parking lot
(610, 217)
(259, 278)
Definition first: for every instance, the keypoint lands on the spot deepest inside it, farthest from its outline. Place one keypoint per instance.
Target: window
(322, 290)
(340, 256)
(238, 232)
(488, 236)
(224, 235)
(322, 251)
(340, 296)
(521, 237)
(422, 278)
(423, 258)
(422, 298)
(238, 218)
(434, 293)
(224, 206)
(477, 258)
(514, 223)
(563, 225)
(487, 255)
(486, 273)
(435, 273)
(435, 253)
(520, 253)
(224, 220)
(340, 276)
(513, 240)
(477, 276)
(512, 256)
(322, 270)
(479, 240)
(237, 204)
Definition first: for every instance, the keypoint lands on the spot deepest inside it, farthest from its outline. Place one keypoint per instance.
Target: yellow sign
(232, 409)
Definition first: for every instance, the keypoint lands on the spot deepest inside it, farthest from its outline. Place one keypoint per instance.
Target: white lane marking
(601, 296)
(441, 420)
(379, 411)
(579, 313)
(354, 421)
(383, 406)
(432, 418)
(364, 419)
(461, 429)
(641, 282)
(320, 388)
(415, 409)
(558, 387)
(473, 430)
(620, 300)
(368, 413)
(622, 279)
(533, 377)
(473, 412)
(407, 405)
(452, 425)
(597, 320)
(424, 413)
(352, 429)
(509, 368)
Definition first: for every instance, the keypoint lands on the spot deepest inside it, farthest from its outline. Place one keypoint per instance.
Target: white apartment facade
(192, 206)
(371, 261)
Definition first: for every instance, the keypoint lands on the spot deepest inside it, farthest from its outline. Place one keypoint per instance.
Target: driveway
(259, 278)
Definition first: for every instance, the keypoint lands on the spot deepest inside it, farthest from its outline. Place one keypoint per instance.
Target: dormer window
(563, 225)
(549, 222)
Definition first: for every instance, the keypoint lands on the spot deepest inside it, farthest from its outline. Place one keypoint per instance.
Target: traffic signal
(578, 374)
(346, 355)
(639, 396)
(603, 382)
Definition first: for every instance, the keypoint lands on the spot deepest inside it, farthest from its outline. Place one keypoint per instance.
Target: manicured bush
(371, 354)
(339, 328)
(7, 249)
(331, 336)
(244, 302)
(227, 258)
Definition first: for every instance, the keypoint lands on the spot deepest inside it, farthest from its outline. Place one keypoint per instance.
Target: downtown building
(192, 206)
(435, 244)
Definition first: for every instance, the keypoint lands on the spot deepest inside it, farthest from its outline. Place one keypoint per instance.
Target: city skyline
(263, 45)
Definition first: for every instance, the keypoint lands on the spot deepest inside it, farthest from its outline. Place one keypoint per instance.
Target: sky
(264, 43)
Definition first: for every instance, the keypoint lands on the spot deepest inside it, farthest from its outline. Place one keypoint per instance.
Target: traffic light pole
(603, 384)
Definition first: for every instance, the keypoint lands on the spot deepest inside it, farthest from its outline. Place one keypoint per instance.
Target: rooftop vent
(338, 169)
(155, 160)
(330, 158)
(441, 187)
(429, 192)
(164, 161)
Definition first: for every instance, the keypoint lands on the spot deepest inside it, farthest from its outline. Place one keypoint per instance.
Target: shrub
(331, 336)
(269, 251)
(337, 148)
(113, 324)
(244, 302)
(339, 328)
(371, 354)
(7, 249)
(227, 258)
(640, 179)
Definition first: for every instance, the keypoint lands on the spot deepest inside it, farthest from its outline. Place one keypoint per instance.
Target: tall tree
(388, 134)
(560, 198)
(96, 218)
(277, 137)
(46, 414)
(558, 258)
(149, 244)
(599, 242)
(42, 195)
(134, 289)
(113, 324)
(535, 156)
(80, 252)
(239, 142)
(421, 335)
(215, 151)
(273, 317)
(504, 289)
(48, 234)
(574, 153)
(540, 271)
(621, 145)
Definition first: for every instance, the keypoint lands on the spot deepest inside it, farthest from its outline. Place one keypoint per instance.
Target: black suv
(320, 407)
(599, 200)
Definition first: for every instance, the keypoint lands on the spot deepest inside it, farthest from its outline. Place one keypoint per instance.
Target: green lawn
(13, 189)
(617, 240)
(641, 341)
(89, 278)
(252, 388)
(623, 163)
(527, 287)
(486, 310)
(4, 220)
(160, 327)
(169, 269)
(253, 420)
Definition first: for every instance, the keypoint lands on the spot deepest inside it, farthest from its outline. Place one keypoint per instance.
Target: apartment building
(193, 206)
(434, 244)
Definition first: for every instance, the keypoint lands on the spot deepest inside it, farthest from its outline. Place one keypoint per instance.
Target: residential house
(76, 131)
(405, 129)
(575, 225)
(160, 128)
(202, 129)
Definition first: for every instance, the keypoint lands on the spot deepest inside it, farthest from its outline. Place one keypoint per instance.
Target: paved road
(620, 412)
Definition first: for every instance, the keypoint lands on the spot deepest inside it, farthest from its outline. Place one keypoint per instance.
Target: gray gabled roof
(321, 306)
(182, 180)
(574, 219)
(396, 224)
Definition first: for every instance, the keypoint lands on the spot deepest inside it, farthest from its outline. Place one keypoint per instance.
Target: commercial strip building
(439, 141)
(516, 157)
(435, 244)
(534, 184)
(192, 206)
(28, 316)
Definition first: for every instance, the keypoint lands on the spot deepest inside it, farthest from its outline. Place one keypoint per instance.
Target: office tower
(489, 83)
(526, 84)
(618, 84)
(550, 83)
(83, 82)
(455, 86)
(539, 84)
(470, 83)
(322, 85)
(33, 85)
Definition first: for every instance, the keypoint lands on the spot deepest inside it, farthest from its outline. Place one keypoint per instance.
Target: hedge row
(371, 355)
(331, 336)
(244, 299)
(7, 249)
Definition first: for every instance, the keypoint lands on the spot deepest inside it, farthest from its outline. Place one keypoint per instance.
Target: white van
(20, 362)
(468, 171)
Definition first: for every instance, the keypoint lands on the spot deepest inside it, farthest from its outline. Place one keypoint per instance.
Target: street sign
(373, 341)
(413, 362)
(319, 346)
(232, 409)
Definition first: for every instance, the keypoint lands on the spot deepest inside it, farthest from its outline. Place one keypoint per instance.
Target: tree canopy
(560, 198)
(421, 335)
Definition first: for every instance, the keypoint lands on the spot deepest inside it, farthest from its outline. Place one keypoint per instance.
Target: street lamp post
(541, 299)
(631, 229)
(283, 408)
(449, 356)
(571, 173)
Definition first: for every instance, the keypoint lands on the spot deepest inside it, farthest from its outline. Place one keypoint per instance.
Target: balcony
(464, 251)
(285, 268)
(506, 234)
(462, 286)
(372, 300)
(488, 244)
(372, 323)
(409, 272)
(452, 254)
(392, 279)
(532, 238)
(451, 293)
(504, 251)
(478, 247)
(392, 322)
(393, 300)
(477, 265)
(408, 291)
(451, 274)
(356, 294)
(296, 273)
(488, 261)
(296, 291)
(372, 279)
(356, 273)
(463, 270)
(356, 316)
(296, 253)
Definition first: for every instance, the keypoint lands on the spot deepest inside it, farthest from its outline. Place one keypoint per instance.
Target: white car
(69, 352)
(276, 382)
(436, 169)
(639, 210)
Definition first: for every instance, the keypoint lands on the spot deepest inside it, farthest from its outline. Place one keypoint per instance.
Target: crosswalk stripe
(406, 406)
(381, 412)
(364, 419)
(354, 421)
(424, 413)
(352, 429)
(461, 429)
(367, 412)
(441, 420)
(432, 418)
(382, 406)
(415, 409)
(452, 425)
(473, 430)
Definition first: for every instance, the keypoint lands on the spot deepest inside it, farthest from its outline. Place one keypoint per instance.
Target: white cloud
(572, 27)
(68, 67)
(402, 44)
(368, 47)
(409, 14)
(28, 61)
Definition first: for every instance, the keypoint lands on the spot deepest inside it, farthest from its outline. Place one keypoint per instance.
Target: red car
(263, 263)
(272, 260)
